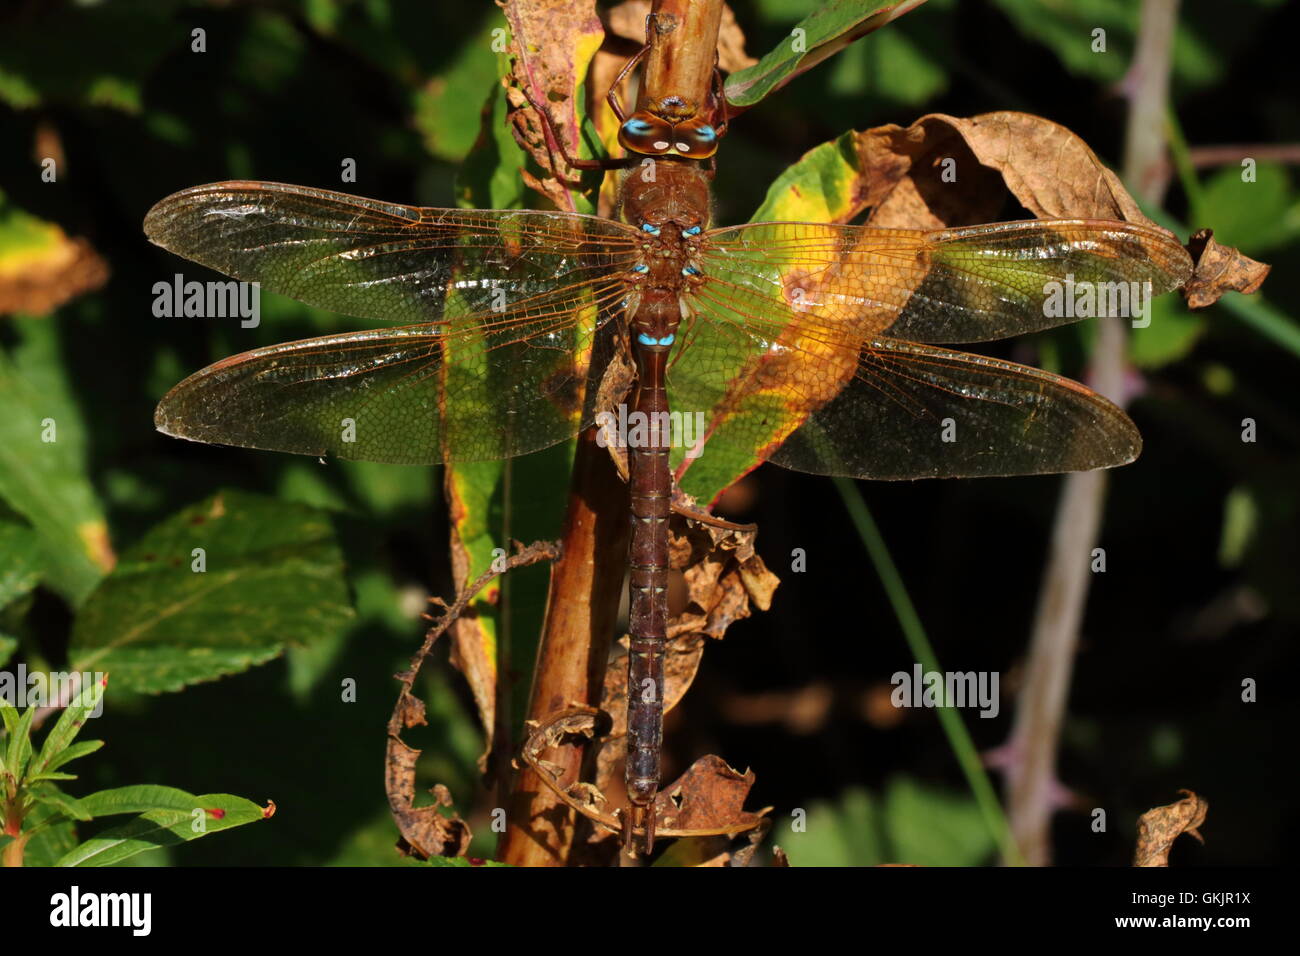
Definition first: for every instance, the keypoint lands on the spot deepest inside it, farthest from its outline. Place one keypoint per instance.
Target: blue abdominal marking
(690, 271)
(653, 230)
(651, 340)
(693, 231)
(637, 126)
(640, 267)
(707, 134)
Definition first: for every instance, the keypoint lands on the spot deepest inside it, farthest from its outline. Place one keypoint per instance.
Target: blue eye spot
(693, 231)
(647, 227)
(637, 126)
(641, 267)
(707, 134)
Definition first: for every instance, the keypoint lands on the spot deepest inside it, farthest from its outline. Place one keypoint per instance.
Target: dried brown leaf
(1219, 269)
(553, 42)
(426, 831)
(1158, 828)
(710, 795)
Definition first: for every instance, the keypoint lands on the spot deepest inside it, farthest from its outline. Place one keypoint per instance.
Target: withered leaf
(424, 829)
(1159, 827)
(553, 42)
(710, 795)
(1219, 269)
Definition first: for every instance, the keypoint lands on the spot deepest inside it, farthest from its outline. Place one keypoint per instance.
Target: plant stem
(1032, 790)
(914, 633)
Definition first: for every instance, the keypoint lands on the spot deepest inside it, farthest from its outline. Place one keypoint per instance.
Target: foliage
(316, 575)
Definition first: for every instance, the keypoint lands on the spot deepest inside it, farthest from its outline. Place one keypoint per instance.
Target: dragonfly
(818, 347)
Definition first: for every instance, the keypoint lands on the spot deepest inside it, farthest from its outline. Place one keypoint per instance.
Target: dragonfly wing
(504, 306)
(380, 260)
(407, 395)
(968, 284)
(916, 411)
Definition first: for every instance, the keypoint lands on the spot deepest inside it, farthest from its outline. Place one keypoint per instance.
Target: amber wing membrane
(970, 284)
(502, 306)
(807, 346)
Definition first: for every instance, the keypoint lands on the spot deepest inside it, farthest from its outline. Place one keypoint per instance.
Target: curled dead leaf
(1219, 269)
(1159, 827)
(426, 831)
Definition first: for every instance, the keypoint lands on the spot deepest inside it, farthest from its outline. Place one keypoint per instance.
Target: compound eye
(643, 133)
(695, 139)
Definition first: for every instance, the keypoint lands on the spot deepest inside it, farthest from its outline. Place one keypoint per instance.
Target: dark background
(285, 89)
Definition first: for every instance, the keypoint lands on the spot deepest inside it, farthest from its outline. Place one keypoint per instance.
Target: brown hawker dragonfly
(812, 346)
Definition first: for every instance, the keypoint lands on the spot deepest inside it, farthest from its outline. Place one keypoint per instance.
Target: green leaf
(1067, 30)
(273, 576)
(7, 647)
(1241, 515)
(20, 563)
(43, 462)
(932, 826)
(828, 30)
(1254, 216)
(68, 726)
(912, 823)
(51, 835)
(195, 817)
(447, 108)
(1173, 332)
(140, 798)
(844, 833)
(54, 798)
(19, 742)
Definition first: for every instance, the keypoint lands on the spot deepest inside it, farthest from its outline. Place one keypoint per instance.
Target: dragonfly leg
(555, 144)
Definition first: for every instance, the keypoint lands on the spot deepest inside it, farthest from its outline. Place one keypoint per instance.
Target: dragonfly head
(649, 134)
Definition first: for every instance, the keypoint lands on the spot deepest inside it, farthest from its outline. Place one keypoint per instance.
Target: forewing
(504, 304)
(380, 260)
(969, 284)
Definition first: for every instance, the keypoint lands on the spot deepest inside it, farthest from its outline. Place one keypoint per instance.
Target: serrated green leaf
(829, 29)
(162, 828)
(43, 462)
(273, 576)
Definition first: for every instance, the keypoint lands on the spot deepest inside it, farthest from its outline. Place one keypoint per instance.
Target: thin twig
(1033, 794)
